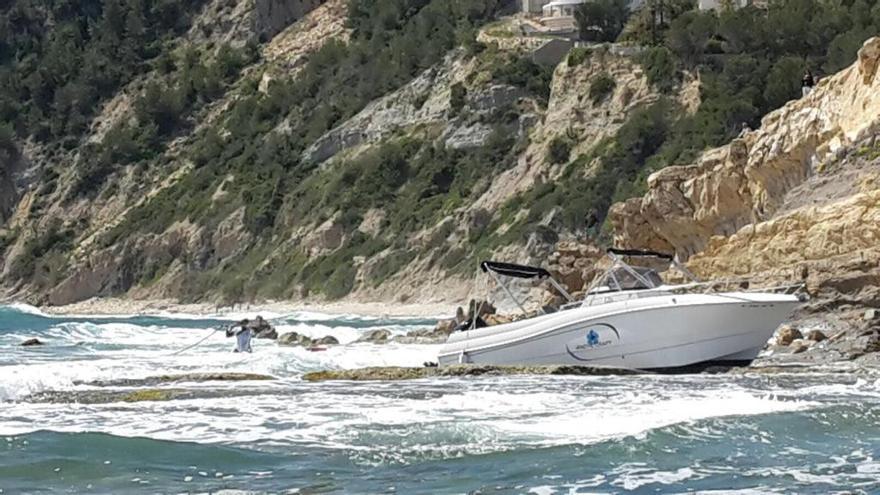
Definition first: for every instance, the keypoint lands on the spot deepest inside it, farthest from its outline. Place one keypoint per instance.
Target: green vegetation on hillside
(750, 62)
(191, 80)
(279, 190)
(59, 60)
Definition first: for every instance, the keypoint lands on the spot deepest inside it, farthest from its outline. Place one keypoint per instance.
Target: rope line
(197, 343)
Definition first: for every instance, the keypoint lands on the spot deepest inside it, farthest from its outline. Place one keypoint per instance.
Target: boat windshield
(622, 279)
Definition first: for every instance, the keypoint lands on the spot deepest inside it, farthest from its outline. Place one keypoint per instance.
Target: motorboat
(628, 317)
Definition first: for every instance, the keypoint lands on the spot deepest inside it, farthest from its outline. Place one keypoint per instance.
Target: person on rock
(807, 83)
(243, 334)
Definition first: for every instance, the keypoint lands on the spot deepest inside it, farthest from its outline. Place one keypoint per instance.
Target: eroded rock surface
(399, 373)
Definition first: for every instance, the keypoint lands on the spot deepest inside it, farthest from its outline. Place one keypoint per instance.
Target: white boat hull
(664, 331)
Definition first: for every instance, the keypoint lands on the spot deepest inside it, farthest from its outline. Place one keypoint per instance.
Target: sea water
(815, 432)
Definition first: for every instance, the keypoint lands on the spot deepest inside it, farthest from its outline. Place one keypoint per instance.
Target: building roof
(560, 3)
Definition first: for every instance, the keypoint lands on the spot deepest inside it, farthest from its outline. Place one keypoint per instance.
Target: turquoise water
(786, 433)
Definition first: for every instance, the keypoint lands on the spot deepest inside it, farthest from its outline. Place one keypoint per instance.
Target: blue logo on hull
(592, 338)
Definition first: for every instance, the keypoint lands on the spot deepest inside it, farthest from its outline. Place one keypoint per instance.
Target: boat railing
(713, 287)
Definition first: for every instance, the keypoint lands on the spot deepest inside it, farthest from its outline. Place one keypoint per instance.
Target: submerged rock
(423, 336)
(328, 340)
(31, 342)
(142, 395)
(294, 339)
(187, 377)
(376, 336)
(400, 373)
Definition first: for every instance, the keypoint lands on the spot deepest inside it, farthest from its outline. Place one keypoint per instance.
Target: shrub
(522, 72)
(601, 87)
(457, 98)
(559, 150)
(659, 66)
(578, 55)
(783, 82)
(602, 20)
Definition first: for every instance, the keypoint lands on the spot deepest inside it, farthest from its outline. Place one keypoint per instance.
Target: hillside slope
(374, 150)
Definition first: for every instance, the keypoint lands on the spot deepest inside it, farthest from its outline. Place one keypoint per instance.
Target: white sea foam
(25, 308)
(382, 422)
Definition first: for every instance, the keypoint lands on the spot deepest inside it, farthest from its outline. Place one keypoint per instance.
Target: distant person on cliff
(807, 83)
(243, 334)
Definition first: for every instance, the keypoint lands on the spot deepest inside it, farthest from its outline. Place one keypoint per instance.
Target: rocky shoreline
(173, 387)
(122, 306)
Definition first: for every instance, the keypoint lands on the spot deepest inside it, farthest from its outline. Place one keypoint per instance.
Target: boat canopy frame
(497, 269)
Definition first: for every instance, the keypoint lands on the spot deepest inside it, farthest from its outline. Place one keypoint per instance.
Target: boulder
(446, 327)
(798, 346)
(552, 300)
(787, 334)
(423, 336)
(328, 340)
(376, 336)
(31, 342)
(262, 329)
(493, 320)
(294, 339)
(864, 344)
(484, 308)
(816, 336)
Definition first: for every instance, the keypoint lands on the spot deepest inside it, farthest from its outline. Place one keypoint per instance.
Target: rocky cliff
(796, 201)
(258, 150)
(748, 180)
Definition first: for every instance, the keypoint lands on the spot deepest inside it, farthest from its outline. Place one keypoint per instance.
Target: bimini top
(511, 270)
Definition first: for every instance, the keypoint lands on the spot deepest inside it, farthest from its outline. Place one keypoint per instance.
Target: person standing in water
(243, 335)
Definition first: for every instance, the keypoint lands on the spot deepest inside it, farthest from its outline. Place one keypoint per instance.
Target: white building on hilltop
(556, 15)
(559, 15)
(561, 8)
(533, 6)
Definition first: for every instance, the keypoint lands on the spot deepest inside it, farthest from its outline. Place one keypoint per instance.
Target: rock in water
(376, 336)
(399, 373)
(328, 340)
(294, 339)
(31, 342)
(187, 377)
(262, 329)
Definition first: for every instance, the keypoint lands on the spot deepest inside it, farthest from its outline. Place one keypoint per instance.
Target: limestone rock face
(571, 113)
(794, 202)
(271, 16)
(746, 181)
(834, 249)
(424, 100)
(573, 264)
